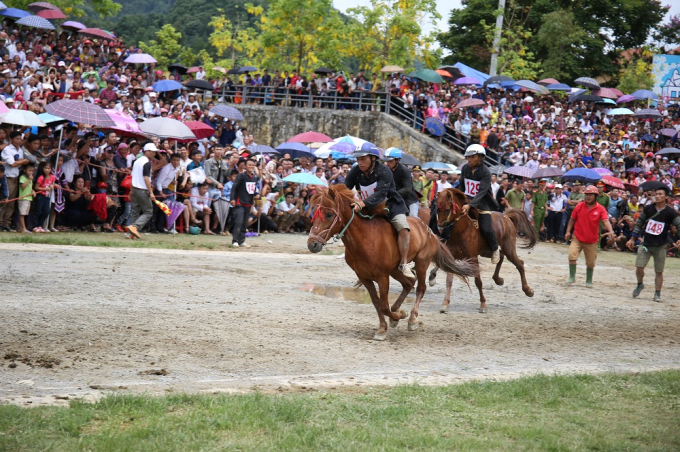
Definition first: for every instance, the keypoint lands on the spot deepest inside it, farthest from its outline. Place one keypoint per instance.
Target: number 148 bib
(654, 227)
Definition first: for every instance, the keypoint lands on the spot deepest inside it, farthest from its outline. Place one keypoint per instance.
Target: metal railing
(377, 101)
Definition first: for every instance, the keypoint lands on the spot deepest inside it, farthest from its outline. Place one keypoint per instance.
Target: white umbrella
(22, 118)
(167, 128)
(324, 150)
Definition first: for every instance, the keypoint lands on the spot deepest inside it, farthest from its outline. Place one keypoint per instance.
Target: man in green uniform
(516, 196)
(540, 200)
(419, 184)
(602, 198)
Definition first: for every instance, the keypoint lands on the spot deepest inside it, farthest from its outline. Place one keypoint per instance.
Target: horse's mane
(333, 194)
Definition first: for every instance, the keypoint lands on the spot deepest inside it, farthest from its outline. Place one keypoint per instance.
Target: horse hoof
(500, 282)
(380, 336)
(444, 309)
(530, 293)
(394, 323)
(432, 281)
(482, 310)
(414, 326)
(403, 313)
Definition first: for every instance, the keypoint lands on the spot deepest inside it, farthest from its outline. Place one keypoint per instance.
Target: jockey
(475, 180)
(375, 184)
(402, 180)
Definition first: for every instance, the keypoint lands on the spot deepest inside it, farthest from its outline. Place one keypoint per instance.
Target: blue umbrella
(166, 85)
(647, 137)
(558, 87)
(575, 94)
(606, 101)
(582, 174)
(51, 119)
(296, 150)
(645, 94)
(304, 178)
(2, 6)
(337, 155)
(14, 12)
(435, 127)
(226, 111)
(36, 22)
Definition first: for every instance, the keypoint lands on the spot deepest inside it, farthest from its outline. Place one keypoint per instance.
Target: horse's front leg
(447, 298)
(384, 306)
(381, 334)
(407, 285)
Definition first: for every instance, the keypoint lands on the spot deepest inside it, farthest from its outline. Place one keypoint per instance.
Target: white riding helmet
(475, 149)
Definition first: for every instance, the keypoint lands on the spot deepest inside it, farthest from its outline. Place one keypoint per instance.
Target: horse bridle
(327, 231)
(449, 223)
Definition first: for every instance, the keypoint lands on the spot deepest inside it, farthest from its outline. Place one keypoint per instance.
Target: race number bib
(367, 191)
(654, 227)
(471, 187)
(250, 187)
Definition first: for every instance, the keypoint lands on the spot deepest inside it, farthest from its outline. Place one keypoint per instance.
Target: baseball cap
(558, 185)
(150, 147)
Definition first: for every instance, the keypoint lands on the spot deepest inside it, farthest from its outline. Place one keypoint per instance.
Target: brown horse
(371, 251)
(466, 241)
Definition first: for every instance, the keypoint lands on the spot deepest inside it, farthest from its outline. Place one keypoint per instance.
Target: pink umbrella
(124, 123)
(41, 6)
(625, 98)
(193, 70)
(3, 108)
(613, 182)
(310, 137)
(96, 33)
(471, 102)
(609, 93)
(548, 81)
(51, 14)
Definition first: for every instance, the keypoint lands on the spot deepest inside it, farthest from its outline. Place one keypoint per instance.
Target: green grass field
(557, 413)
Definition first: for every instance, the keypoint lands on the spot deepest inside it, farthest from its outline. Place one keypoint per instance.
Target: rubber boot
(572, 274)
(589, 278)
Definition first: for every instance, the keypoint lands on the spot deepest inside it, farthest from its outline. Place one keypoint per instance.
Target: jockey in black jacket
(402, 180)
(375, 184)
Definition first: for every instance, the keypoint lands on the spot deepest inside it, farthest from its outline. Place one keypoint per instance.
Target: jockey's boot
(496, 256)
(406, 271)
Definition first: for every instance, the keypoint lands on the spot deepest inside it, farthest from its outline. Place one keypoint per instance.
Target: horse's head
(327, 220)
(449, 206)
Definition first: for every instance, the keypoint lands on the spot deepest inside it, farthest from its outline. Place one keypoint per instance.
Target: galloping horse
(371, 251)
(465, 240)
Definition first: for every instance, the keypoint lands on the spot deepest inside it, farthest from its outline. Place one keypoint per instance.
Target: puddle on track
(359, 295)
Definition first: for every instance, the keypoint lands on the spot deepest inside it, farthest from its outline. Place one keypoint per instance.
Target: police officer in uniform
(375, 183)
(655, 220)
(402, 180)
(475, 181)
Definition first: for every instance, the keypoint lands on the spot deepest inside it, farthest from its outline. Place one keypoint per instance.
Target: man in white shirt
(290, 213)
(533, 164)
(13, 159)
(141, 194)
(200, 203)
(443, 182)
(166, 178)
(200, 75)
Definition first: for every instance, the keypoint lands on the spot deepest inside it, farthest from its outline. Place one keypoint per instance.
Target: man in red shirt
(585, 222)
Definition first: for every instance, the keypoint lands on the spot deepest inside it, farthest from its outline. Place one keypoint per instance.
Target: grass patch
(582, 412)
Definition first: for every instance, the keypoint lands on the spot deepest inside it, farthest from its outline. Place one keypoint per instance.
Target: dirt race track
(84, 321)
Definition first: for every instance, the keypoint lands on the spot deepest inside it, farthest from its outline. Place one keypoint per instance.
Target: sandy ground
(85, 321)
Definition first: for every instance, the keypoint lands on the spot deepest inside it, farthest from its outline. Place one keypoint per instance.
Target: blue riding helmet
(366, 149)
(391, 154)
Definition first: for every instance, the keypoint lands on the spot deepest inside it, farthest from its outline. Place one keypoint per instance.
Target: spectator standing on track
(242, 197)
(141, 194)
(540, 200)
(656, 221)
(585, 222)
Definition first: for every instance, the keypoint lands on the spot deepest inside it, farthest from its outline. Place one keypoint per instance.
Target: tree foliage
(637, 73)
(560, 36)
(166, 48)
(391, 32)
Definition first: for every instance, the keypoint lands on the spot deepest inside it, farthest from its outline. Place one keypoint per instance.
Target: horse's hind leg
(433, 276)
(382, 330)
(407, 285)
(447, 297)
(413, 323)
(482, 299)
(496, 278)
(519, 263)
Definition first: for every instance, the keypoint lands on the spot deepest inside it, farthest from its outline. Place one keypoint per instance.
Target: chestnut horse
(466, 241)
(371, 251)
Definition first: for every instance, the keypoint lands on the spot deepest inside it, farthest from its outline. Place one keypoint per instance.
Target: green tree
(561, 37)
(637, 73)
(391, 32)
(166, 48)
(465, 38)
(76, 8)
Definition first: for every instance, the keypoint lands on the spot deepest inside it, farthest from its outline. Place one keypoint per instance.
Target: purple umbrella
(603, 171)
(635, 169)
(521, 171)
(625, 98)
(668, 132)
(547, 172)
(140, 58)
(467, 81)
(72, 25)
(176, 209)
(345, 148)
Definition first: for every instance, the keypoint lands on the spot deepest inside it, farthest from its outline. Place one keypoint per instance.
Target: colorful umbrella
(35, 22)
(52, 14)
(521, 171)
(587, 82)
(80, 112)
(547, 172)
(14, 13)
(166, 85)
(304, 178)
(226, 111)
(140, 58)
(221, 69)
(176, 209)
(193, 70)
(22, 118)
(167, 128)
(603, 172)
(310, 137)
(435, 127)
(96, 33)
(200, 129)
(72, 25)
(471, 102)
(582, 174)
(613, 182)
(467, 81)
(634, 169)
(443, 73)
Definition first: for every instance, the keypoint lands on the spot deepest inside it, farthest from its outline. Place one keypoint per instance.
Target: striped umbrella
(41, 6)
(35, 22)
(521, 171)
(547, 172)
(668, 132)
(587, 82)
(226, 111)
(648, 113)
(80, 112)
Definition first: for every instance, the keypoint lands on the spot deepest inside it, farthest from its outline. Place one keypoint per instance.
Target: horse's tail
(523, 226)
(464, 268)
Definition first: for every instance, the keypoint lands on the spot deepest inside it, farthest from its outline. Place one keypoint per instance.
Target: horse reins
(327, 231)
(448, 223)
